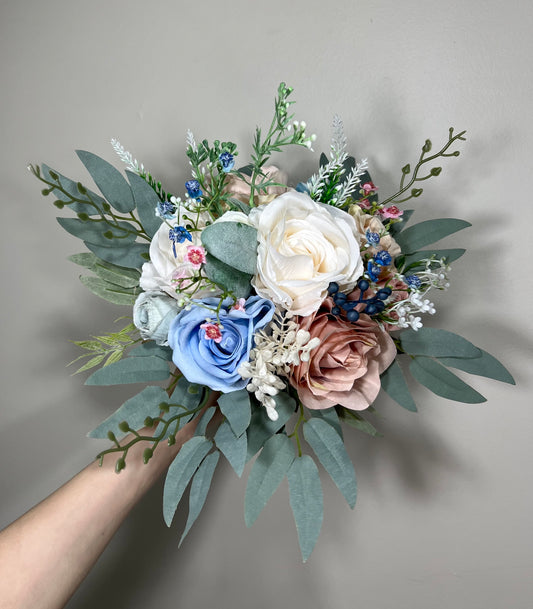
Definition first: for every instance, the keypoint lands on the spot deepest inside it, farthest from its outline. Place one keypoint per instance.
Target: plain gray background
(445, 497)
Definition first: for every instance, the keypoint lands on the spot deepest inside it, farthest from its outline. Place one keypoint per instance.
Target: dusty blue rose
(211, 362)
(152, 313)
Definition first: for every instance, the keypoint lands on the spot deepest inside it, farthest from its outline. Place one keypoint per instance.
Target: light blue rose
(215, 363)
(152, 313)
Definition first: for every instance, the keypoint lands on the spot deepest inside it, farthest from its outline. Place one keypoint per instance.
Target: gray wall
(444, 510)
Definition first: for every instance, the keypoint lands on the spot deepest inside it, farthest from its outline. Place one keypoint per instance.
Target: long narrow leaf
(437, 343)
(486, 365)
(393, 383)
(415, 237)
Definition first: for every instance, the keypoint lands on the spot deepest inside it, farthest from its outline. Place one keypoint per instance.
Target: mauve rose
(344, 369)
(239, 189)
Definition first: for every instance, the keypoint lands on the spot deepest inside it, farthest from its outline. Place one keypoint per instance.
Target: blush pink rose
(239, 189)
(344, 369)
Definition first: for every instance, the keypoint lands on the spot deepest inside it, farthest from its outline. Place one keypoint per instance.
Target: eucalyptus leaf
(200, 485)
(117, 275)
(261, 427)
(233, 447)
(151, 348)
(397, 227)
(267, 472)
(425, 233)
(486, 365)
(71, 187)
(330, 416)
(330, 450)
(356, 420)
(110, 292)
(93, 232)
(129, 256)
(86, 259)
(393, 382)
(146, 200)
(441, 381)
(307, 502)
(204, 421)
(235, 406)
(109, 180)
(437, 343)
(180, 472)
(227, 277)
(232, 243)
(131, 370)
(134, 411)
(413, 261)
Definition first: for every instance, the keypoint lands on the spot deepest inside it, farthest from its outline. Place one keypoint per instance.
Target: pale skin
(47, 552)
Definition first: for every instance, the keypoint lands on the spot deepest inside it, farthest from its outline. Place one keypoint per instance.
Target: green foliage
(393, 383)
(484, 365)
(415, 237)
(437, 343)
(233, 447)
(306, 499)
(107, 348)
(232, 243)
(146, 200)
(131, 370)
(417, 261)
(262, 428)
(330, 416)
(225, 276)
(355, 419)
(236, 407)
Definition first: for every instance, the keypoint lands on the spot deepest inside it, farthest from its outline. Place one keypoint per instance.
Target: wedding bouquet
(288, 308)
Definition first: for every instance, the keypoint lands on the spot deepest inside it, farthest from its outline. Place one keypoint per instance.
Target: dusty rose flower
(391, 212)
(239, 189)
(368, 188)
(366, 222)
(344, 369)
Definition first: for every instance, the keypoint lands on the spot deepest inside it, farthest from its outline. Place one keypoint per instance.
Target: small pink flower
(364, 204)
(212, 331)
(368, 188)
(195, 255)
(239, 305)
(391, 212)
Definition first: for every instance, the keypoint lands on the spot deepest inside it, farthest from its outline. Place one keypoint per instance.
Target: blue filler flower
(193, 189)
(372, 238)
(383, 258)
(373, 270)
(227, 161)
(178, 234)
(165, 209)
(413, 281)
(216, 364)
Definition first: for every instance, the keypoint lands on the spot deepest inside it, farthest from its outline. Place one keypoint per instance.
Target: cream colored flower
(302, 247)
(366, 222)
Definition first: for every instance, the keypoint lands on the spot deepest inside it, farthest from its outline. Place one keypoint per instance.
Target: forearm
(46, 553)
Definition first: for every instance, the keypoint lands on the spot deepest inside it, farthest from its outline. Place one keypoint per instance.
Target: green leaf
(108, 291)
(93, 232)
(307, 502)
(109, 180)
(437, 343)
(330, 416)
(232, 243)
(397, 227)
(86, 259)
(199, 488)
(134, 411)
(356, 420)
(412, 261)
(227, 277)
(204, 421)
(235, 406)
(393, 383)
(330, 450)
(233, 447)
(151, 348)
(441, 381)
(131, 370)
(71, 187)
(485, 365)
(117, 275)
(146, 201)
(181, 471)
(424, 233)
(267, 473)
(261, 427)
(91, 363)
(129, 256)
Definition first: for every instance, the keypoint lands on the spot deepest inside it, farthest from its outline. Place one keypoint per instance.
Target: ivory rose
(302, 247)
(344, 369)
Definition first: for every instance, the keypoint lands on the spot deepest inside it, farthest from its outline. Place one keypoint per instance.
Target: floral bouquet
(294, 306)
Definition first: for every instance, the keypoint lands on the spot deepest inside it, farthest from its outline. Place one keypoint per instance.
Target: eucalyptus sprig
(434, 171)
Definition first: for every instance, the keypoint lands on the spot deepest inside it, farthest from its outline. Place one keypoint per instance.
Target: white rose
(302, 247)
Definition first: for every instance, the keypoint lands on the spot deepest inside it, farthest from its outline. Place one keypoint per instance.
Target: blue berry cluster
(372, 306)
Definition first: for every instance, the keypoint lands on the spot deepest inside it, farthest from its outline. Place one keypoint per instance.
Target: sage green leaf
(413, 261)
(151, 348)
(425, 233)
(181, 471)
(441, 381)
(356, 420)
(131, 256)
(437, 343)
(261, 427)
(486, 365)
(71, 187)
(397, 227)
(330, 416)
(134, 411)
(330, 450)
(393, 382)
(108, 291)
(118, 275)
(204, 421)
(187, 394)
(227, 277)
(93, 232)
(146, 201)
(109, 180)
(199, 488)
(266, 475)
(307, 502)
(235, 406)
(86, 259)
(233, 447)
(233, 243)
(240, 205)
(131, 370)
